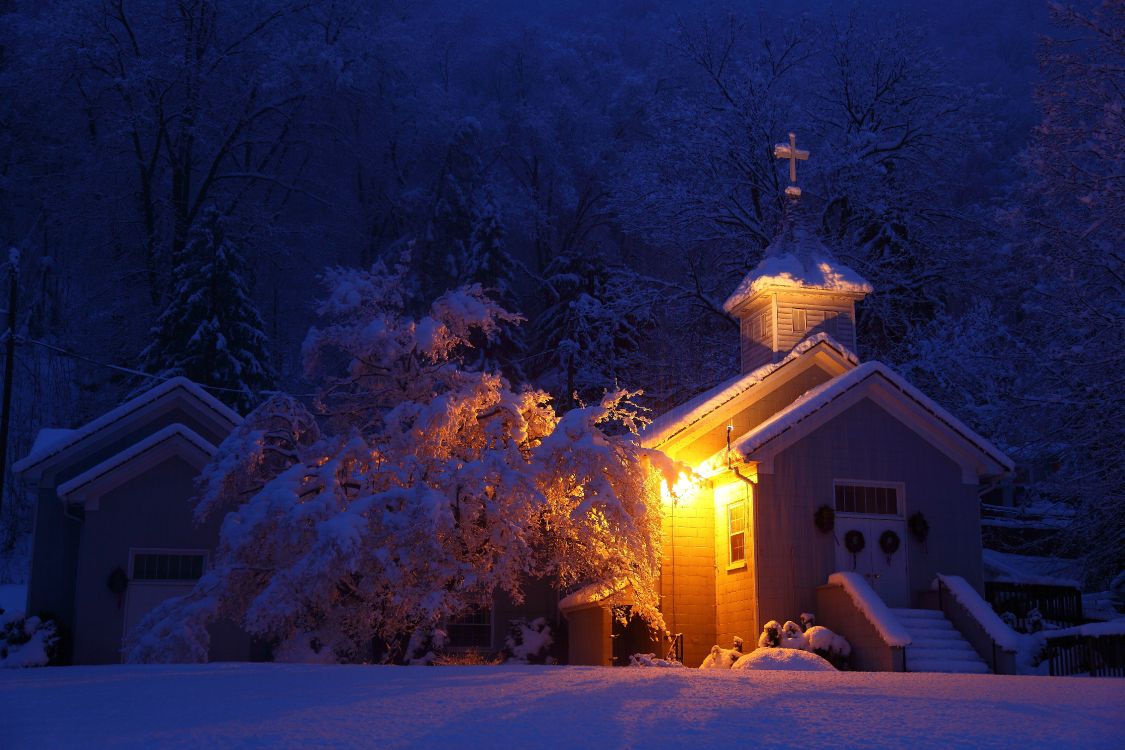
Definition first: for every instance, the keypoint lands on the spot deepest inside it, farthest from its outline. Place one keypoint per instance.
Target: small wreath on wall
(854, 542)
(825, 519)
(117, 582)
(919, 526)
(889, 543)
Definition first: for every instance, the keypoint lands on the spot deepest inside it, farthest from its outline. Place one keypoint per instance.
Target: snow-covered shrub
(808, 619)
(828, 645)
(720, 658)
(1034, 620)
(784, 659)
(413, 489)
(26, 641)
(738, 644)
(792, 636)
(815, 638)
(529, 642)
(650, 660)
(771, 635)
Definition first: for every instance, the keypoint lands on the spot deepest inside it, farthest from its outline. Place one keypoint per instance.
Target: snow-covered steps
(937, 646)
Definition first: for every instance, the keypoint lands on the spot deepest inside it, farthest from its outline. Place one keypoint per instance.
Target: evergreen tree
(590, 335)
(486, 262)
(210, 331)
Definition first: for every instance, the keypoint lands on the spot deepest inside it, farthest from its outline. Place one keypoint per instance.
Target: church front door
(883, 569)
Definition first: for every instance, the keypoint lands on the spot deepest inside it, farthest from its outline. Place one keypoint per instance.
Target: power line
(130, 370)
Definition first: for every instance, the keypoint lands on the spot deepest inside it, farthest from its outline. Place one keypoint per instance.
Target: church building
(813, 463)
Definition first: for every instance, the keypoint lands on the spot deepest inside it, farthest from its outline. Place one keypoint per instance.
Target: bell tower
(798, 290)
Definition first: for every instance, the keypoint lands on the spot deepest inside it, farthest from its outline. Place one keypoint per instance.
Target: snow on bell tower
(798, 290)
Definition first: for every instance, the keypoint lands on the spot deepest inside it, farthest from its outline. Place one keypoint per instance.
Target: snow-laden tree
(1072, 268)
(210, 330)
(412, 490)
(591, 333)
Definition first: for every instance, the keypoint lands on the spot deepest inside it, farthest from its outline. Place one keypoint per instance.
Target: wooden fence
(1097, 656)
(1061, 605)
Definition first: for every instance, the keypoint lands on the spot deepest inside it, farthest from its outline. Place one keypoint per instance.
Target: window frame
(898, 487)
(732, 563)
(447, 624)
(167, 551)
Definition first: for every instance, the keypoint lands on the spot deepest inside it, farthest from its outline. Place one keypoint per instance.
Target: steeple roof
(797, 259)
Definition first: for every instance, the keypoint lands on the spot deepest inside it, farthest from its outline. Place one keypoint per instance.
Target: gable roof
(681, 418)
(165, 441)
(50, 447)
(797, 259)
(785, 427)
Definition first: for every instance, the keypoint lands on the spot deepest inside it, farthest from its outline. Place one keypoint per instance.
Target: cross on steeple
(792, 153)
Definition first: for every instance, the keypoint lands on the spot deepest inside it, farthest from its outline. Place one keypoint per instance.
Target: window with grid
(736, 524)
(473, 629)
(870, 500)
(157, 566)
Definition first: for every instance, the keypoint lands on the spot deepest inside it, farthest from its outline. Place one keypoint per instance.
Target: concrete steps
(937, 646)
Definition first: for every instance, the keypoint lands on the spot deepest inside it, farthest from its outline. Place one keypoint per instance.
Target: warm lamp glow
(683, 491)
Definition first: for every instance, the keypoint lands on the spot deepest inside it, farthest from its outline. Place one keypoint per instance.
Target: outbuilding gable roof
(173, 436)
(60, 442)
(785, 426)
(681, 418)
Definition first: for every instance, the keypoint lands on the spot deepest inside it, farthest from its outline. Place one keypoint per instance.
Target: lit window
(736, 522)
(869, 500)
(154, 566)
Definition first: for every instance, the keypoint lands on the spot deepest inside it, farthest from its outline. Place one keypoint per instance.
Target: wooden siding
(775, 323)
(735, 600)
(756, 323)
(866, 443)
(687, 580)
(801, 316)
(590, 643)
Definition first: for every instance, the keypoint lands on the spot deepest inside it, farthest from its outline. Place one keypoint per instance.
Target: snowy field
(548, 707)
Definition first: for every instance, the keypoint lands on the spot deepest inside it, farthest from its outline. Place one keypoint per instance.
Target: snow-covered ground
(273, 705)
(13, 597)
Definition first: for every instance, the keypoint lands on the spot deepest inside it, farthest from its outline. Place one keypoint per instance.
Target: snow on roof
(796, 258)
(593, 593)
(682, 417)
(824, 394)
(1094, 629)
(47, 438)
(133, 451)
(1041, 571)
(42, 452)
(873, 608)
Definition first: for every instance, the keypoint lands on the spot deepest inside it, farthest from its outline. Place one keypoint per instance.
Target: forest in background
(606, 170)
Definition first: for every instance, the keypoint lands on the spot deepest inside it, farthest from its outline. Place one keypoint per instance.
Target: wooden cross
(792, 153)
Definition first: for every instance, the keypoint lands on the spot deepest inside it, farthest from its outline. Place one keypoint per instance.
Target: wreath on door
(889, 542)
(854, 542)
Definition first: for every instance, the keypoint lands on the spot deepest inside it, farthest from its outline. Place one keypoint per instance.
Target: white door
(142, 597)
(886, 573)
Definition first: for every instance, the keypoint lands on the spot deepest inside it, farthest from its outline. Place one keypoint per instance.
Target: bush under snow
(650, 660)
(26, 641)
(819, 642)
(786, 659)
(529, 641)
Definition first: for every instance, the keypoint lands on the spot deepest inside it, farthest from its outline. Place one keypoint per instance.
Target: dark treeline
(175, 175)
